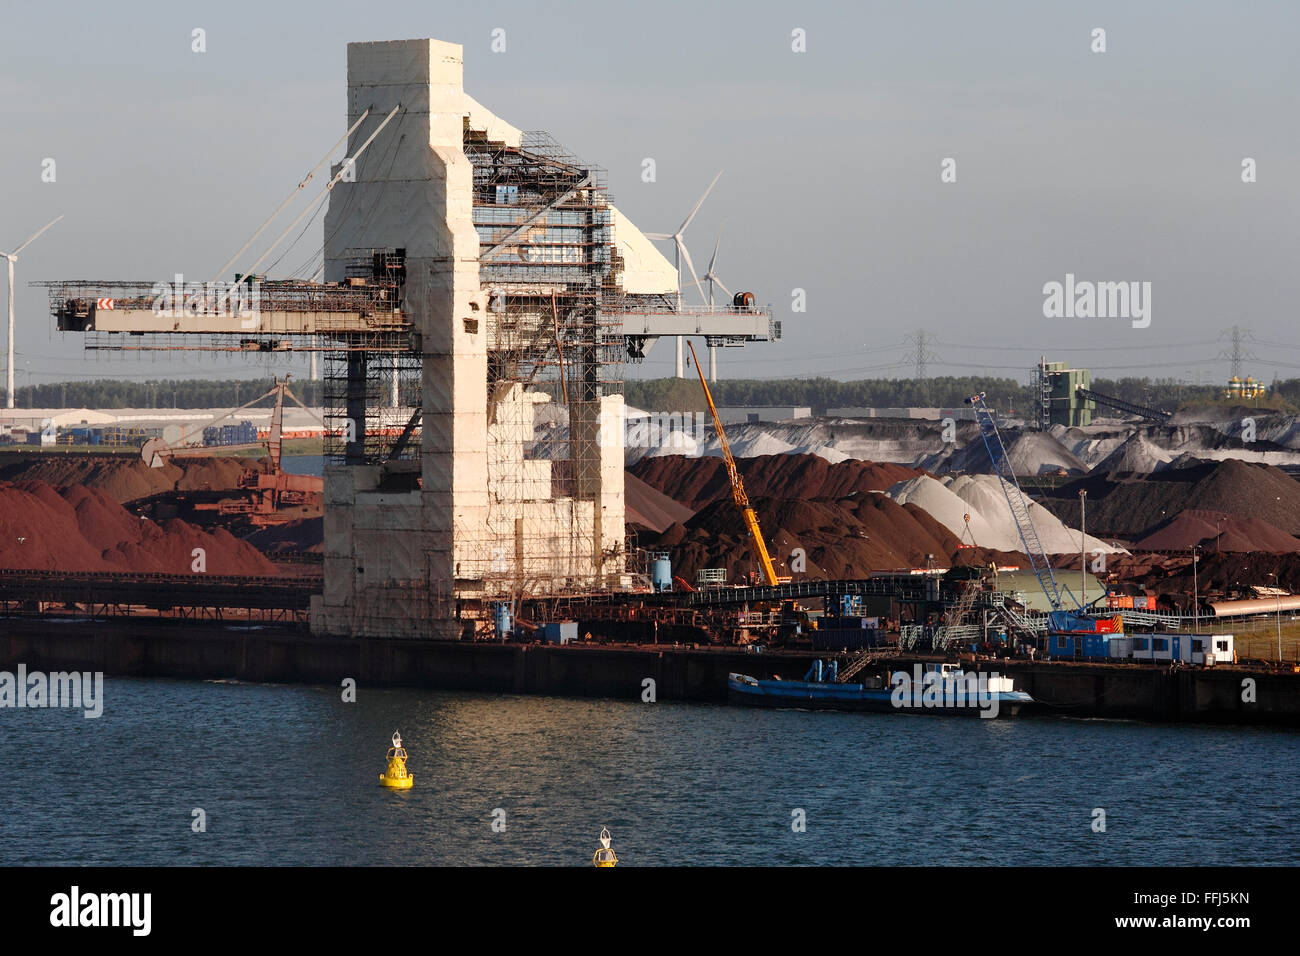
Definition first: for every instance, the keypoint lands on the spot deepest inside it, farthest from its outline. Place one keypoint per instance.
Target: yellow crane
(737, 486)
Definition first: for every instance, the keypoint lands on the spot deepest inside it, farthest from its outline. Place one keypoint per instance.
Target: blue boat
(942, 689)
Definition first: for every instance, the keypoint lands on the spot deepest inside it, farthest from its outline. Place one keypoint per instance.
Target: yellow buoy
(604, 856)
(396, 776)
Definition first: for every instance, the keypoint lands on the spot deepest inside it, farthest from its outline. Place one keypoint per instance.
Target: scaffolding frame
(549, 266)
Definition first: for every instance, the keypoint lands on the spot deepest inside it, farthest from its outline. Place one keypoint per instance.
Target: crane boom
(1016, 501)
(737, 486)
(157, 448)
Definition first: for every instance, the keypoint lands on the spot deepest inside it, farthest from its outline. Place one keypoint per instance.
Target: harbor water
(289, 775)
(304, 464)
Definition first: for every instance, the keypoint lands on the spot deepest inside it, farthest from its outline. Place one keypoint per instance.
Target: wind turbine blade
(34, 237)
(721, 286)
(687, 256)
(700, 203)
(714, 258)
(656, 235)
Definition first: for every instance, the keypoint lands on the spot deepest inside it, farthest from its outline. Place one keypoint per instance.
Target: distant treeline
(165, 393)
(671, 394)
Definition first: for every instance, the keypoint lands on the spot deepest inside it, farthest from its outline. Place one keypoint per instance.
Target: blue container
(661, 573)
(559, 632)
(245, 433)
(501, 617)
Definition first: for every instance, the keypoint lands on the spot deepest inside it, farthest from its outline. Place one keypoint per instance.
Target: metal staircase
(855, 665)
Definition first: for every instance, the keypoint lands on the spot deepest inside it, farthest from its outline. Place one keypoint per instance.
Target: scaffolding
(371, 386)
(549, 266)
(371, 404)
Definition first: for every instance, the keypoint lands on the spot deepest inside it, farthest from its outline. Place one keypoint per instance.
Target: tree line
(1004, 394)
(673, 394)
(163, 393)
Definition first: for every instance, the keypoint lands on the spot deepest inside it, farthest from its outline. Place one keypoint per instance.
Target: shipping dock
(475, 527)
(277, 653)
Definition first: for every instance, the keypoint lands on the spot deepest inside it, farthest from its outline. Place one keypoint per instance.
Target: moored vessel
(943, 689)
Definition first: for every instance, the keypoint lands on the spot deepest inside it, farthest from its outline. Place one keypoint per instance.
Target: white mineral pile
(1091, 443)
(1106, 445)
(1030, 453)
(950, 499)
(746, 441)
(1138, 454)
(1039, 453)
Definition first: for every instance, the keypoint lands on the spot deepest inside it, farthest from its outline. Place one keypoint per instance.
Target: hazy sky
(1115, 166)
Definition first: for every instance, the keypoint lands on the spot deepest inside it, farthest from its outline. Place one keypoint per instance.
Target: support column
(355, 448)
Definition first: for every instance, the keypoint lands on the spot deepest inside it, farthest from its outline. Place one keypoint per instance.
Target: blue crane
(1019, 506)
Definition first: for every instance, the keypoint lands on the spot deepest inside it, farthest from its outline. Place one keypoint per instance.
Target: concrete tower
(485, 520)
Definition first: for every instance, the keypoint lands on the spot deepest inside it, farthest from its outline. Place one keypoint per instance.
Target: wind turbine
(12, 257)
(711, 277)
(682, 253)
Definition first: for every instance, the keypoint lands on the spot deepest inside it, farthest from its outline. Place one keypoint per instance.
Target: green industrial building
(1059, 401)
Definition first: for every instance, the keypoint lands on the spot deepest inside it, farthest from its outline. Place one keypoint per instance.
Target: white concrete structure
(486, 520)
(957, 414)
(751, 414)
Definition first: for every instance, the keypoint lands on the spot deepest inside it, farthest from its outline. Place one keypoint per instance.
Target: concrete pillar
(355, 447)
(480, 499)
(413, 191)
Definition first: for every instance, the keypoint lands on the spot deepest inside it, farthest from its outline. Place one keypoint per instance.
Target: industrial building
(929, 414)
(753, 414)
(1063, 395)
(474, 273)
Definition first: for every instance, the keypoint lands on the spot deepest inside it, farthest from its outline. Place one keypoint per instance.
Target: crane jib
(1038, 561)
(737, 485)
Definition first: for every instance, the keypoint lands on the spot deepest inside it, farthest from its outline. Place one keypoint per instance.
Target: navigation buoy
(604, 856)
(396, 776)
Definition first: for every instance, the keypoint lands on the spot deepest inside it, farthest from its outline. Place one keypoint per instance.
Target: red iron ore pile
(697, 481)
(82, 529)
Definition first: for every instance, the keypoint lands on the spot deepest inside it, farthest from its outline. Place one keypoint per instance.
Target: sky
(1115, 166)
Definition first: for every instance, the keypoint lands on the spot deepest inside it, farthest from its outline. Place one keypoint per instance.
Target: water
(289, 775)
(303, 464)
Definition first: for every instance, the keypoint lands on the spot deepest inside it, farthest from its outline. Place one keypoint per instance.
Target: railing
(271, 296)
(1175, 621)
(700, 310)
(958, 634)
(1025, 623)
(809, 589)
(910, 635)
(160, 590)
(855, 665)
